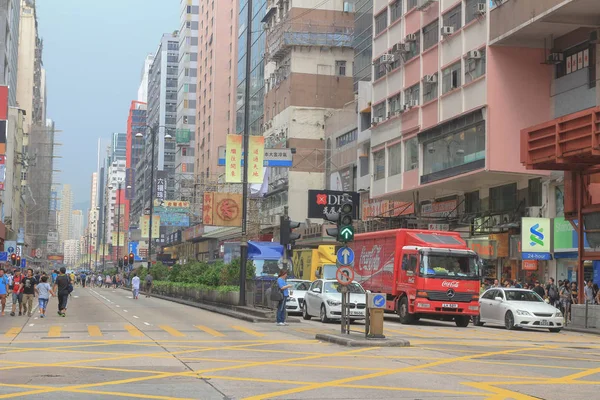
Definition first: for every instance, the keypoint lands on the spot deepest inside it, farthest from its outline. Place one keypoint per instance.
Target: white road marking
(135, 316)
(145, 323)
(118, 306)
(125, 310)
(76, 297)
(32, 324)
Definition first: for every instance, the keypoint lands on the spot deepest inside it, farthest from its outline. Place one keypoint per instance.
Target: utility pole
(246, 140)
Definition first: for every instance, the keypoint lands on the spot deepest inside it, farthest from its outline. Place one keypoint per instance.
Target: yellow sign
(145, 226)
(257, 156)
(222, 209)
(121, 241)
(233, 157)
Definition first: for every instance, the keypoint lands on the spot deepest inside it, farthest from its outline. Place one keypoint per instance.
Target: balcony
(284, 35)
(530, 23)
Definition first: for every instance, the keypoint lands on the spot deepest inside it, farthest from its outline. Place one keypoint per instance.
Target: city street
(111, 346)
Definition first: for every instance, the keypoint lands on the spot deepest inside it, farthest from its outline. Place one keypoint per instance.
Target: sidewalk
(591, 331)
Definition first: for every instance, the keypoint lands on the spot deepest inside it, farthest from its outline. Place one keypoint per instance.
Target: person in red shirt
(17, 294)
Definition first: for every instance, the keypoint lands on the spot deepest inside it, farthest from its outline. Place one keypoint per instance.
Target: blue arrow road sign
(11, 250)
(379, 300)
(345, 256)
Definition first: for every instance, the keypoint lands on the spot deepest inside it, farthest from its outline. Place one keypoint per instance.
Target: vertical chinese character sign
(207, 209)
(257, 156)
(233, 159)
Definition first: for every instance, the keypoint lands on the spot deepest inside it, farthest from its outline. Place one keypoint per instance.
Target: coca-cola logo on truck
(369, 260)
(450, 284)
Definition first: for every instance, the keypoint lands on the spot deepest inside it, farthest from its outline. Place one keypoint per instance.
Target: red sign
(344, 275)
(530, 265)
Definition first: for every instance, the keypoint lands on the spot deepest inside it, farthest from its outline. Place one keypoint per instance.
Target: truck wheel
(323, 314)
(462, 322)
(305, 315)
(406, 318)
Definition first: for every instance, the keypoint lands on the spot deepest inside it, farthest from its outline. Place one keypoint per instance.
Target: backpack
(552, 292)
(276, 294)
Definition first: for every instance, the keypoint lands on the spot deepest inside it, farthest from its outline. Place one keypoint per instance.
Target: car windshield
(335, 287)
(522, 295)
(300, 285)
(449, 265)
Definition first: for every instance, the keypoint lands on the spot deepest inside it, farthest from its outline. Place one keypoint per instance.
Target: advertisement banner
(161, 185)
(227, 209)
(440, 208)
(232, 161)
(174, 219)
(486, 249)
(257, 156)
(342, 180)
(321, 202)
(175, 206)
(2, 170)
(193, 232)
(145, 226)
(207, 208)
(129, 183)
(535, 239)
(384, 208)
(121, 239)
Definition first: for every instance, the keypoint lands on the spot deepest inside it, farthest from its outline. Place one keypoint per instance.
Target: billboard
(222, 209)
(321, 202)
(130, 183)
(384, 208)
(173, 212)
(232, 161)
(145, 226)
(161, 185)
(2, 170)
(342, 180)
(257, 155)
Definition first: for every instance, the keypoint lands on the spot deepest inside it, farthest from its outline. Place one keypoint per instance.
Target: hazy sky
(93, 54)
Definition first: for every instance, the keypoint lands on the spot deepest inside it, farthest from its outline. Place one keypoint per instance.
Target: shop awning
(265, 250)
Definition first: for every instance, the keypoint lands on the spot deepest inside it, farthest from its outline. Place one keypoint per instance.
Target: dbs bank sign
(321, 202)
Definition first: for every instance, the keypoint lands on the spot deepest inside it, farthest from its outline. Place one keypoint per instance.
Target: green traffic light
(347, 208)
(347, 233)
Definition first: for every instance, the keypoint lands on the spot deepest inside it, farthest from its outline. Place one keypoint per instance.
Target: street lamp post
(96, 260)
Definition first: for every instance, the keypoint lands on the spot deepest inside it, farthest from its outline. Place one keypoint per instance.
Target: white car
(517, 308)
(295, 302)
(324, 298)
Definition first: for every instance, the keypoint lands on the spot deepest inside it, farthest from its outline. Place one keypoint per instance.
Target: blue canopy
(264, 250)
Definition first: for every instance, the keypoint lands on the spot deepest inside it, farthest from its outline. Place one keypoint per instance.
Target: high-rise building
(76, 224)
(116, 174)
(71, 251)
(136, 123)
(119, 146)
(162, 108)
(93, 212)
(65, 231)
(143, 89)
(299, 98)
(363, 41)
(186, 100)
(10, 11)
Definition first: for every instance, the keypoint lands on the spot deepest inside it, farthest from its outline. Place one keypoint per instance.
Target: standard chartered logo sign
(537, 235)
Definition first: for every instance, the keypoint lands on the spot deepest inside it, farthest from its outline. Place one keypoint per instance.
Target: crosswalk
(95, 331)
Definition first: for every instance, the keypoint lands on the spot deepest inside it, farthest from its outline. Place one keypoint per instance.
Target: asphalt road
(113, 347)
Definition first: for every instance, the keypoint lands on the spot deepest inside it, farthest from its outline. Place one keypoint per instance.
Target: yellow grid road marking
(94, 330)
(12, 332)
(248, 331)
(133, 331)
(210, 331)
(54, 331)
(171, 331)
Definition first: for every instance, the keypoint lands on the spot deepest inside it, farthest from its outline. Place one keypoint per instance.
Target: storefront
(565, 252)
(488, 252)
(535, 249)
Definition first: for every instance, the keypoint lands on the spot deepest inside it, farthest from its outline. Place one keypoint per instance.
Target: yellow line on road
(248, 331)
(133, 331)
(12, 332)
(210, 331)
(171, 331)
(94, 330)
(54, 331)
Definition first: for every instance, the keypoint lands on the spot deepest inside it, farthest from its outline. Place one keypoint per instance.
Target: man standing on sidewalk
(29, 283)
(17, 293)
(4, 290)
(62, 285)
(135, 286)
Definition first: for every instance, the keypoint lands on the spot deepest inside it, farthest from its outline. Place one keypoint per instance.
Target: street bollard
(375, 312)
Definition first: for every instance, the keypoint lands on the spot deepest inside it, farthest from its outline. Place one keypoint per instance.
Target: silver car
(324, 298)
(295, 302)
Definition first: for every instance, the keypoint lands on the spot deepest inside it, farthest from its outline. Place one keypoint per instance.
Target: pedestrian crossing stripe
(133, 331)
(94, 331)
(210, 331)
(12, 332)
(248, 331)
(54, 331)
(172, 331)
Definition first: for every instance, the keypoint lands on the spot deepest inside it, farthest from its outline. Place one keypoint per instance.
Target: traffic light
(131, 258)
(287, 235)
(120, 263)
(18, 261)
(346, 227)
(13, 259)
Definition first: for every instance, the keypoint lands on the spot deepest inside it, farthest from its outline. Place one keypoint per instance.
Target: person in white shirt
(135, 285)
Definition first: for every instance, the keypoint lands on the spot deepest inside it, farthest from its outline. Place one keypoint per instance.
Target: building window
(394, 104)
(381, 22)
(430, 90)
(412, 95)
(534, 191)
(576, 58)
(431, 34)
(474, 67)
(503, 198)
(451, 78)
(411, 154)
(340, 68)
(415, 47)
(379, 69)
(472, 202)
(395, 10)
(453, 150)
(379, 112)
(395, 159)
(379, 164)
(410, 4)
(454, 17)
(471, 10)
(346, 138)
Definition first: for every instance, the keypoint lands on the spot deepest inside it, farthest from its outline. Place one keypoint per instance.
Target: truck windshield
(266, 267)
(329, 271)
(449, 265)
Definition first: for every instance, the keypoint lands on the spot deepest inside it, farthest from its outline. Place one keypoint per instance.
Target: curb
(354, 342)
(591, 331)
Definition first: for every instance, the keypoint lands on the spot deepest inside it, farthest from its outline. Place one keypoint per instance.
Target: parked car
(517, 308)
(295, 302)
(324, 298)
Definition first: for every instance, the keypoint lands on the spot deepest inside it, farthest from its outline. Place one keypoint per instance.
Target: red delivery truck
(425, 274)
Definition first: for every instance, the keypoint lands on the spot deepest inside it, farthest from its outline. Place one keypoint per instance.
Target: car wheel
(402, 309)
(323, 314)
(462, 322)
(509, 320)
(554, 330)
(305, 314)
(477, 320)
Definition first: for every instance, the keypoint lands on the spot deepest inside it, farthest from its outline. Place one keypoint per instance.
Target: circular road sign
(344, 275)
(38, 253)
(11, 249)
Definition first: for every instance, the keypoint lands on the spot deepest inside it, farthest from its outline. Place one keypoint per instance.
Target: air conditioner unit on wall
(411, 37)
(474, 55)
(555, 58)
(533, 212)
(430, 79)
(481, 8)
(447, 30)
(387, 59)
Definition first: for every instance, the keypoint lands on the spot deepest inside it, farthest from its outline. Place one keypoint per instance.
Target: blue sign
(11, 249)
(379, 300)
(345, 256)
(23, 263)
(133, 248)
(3, 256)
(536, 256)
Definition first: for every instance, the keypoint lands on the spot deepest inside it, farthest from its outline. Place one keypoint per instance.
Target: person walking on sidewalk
(135, 286)
(62, 286)
(44, 291)
(149, 283)
(17, 293)
(29, 283)
(4, 290)
(285, 290)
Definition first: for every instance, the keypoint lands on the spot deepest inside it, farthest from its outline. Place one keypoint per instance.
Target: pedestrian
(29, 283)
(63, 287)
(596, 292)
(539, 289)
(135, 286)
(588, 291)
(496, 283)
(99, 280)
(4, 290)
(565, 300)
(516, 284)
(17, 293)
(54, 276)
(552, 292)
(83, 278)
(285, 289)
(149, 284)
(44, 291)
(107, 281)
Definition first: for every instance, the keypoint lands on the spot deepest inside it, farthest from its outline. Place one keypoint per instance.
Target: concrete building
(186, 100)
(217, 60)
(76, 224)
(71, 251)
(162, 107)
(308, 75)
(119, 146)
(93, 214)
(363, 41)
(65, 231)
(10, 12)
(136, 123)
(143, 89)
(115, 198)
